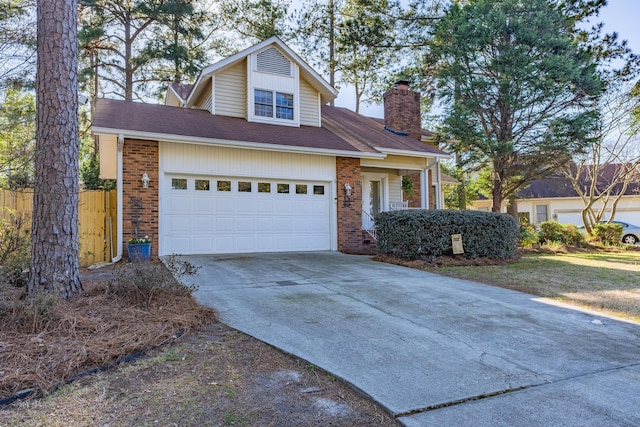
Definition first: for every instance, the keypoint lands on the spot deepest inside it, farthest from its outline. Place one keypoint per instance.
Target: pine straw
(46, 340)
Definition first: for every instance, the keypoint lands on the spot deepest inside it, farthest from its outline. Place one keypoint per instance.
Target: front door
(373, 192)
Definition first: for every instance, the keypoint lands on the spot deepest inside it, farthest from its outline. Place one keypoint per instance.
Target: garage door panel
(179, 224)
(203, 224)
(264, 223)
(246, 206)
(202, 205)
(245, 225)
(203, 221)
(179, 204)
(224, 204)
(180, 244)
(224, 224)
(202, 245)
(245, 243)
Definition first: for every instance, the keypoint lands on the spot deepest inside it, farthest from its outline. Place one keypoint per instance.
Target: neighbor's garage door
(203, 215)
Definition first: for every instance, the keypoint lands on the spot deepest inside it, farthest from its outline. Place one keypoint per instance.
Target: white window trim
(273, 119)
(535, 212)
(252, 85)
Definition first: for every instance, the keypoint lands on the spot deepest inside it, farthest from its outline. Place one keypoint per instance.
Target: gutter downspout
(119, 198)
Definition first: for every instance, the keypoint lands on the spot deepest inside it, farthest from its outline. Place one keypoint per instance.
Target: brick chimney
(402, 110)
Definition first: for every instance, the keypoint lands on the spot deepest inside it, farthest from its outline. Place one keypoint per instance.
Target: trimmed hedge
(426, 234)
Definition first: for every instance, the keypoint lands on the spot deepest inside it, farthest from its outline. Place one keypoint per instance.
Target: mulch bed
(443, 261)
(125, 309)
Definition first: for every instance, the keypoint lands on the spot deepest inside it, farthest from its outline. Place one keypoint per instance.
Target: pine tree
(521, 92)
(54, 248)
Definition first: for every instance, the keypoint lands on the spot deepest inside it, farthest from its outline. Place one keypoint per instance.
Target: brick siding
(140, 157)
(414, 200)
(351, 239)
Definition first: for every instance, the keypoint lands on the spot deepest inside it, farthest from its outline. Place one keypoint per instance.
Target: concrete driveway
(433, 350)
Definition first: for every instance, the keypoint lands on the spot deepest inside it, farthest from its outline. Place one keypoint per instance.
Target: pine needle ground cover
(46, 341)
(210, 375)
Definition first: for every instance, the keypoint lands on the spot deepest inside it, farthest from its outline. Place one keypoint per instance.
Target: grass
(603, 281)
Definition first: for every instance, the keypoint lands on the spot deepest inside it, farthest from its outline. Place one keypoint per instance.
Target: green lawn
(603, 281)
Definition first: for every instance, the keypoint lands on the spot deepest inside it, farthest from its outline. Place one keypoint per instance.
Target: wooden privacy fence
(96, 221)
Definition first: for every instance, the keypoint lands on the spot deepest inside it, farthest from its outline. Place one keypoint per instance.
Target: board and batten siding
(176, 158)
(231, 91)
(309, 105)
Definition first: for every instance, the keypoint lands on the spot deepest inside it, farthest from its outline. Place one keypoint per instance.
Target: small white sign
(456, 244)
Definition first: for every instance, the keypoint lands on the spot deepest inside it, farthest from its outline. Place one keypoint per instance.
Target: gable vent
(272, 61)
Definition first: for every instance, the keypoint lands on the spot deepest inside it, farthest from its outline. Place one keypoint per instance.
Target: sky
(621, 16)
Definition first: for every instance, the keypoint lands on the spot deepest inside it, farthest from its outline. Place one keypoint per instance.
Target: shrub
(15, 244)
(607, 234)
(141, 284)
(528, 235)
(567, 234)
(31, 314)
(426, 234)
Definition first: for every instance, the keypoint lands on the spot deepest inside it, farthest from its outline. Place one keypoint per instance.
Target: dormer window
(265, 106)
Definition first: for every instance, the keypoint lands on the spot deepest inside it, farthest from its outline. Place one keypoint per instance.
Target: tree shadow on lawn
(610, 285)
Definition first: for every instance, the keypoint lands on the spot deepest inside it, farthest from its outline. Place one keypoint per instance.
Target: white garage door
(212, 215)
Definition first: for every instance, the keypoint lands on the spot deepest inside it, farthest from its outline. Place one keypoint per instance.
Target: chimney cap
(402, 84)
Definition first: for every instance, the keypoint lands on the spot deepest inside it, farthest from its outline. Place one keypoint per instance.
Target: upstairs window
(264, 103)
(284, 106)
(265, 106)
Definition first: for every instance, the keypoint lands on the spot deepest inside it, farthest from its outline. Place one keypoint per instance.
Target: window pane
(284, 113)
(284, 106)
(541, 213)
(244, 187)
(283, 188)
(318, 189)
(264, 187)
(301, 188)
(263, 103)
(264, 110)
(202, 184)
(178, 183)
(224, 185)
(284, 100)
(264, 97)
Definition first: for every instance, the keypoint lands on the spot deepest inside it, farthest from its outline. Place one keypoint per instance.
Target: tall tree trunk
(496, 194)
(512, 206)
(128, 66)
(54, 249)
(332, 46)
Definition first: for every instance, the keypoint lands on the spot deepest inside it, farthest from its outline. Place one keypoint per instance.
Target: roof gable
(327, 92)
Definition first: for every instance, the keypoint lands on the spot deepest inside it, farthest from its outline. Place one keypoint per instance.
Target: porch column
(424, 190)
(438, 185)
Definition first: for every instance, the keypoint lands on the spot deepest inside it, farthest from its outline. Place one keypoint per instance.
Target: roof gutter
(235, 144)
(437, 156)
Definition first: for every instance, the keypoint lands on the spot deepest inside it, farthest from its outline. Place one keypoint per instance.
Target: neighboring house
(555, 199)
(251, 159)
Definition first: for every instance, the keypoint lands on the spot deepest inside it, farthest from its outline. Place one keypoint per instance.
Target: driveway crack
(508, 390)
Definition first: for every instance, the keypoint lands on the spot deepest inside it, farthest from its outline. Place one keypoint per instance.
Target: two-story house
(251, 159)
